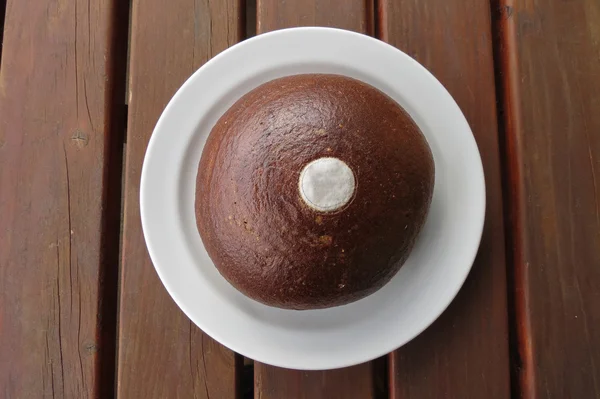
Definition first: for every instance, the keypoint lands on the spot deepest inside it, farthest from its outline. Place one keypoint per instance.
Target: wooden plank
(549, 53)
(60, 78)
(465, 353)
(274, 382)
(356, 15)
(161, 353)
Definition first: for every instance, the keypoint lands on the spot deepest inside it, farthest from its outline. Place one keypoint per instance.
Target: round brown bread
(264, 238)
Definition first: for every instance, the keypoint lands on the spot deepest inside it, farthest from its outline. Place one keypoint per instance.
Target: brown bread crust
(258, 231)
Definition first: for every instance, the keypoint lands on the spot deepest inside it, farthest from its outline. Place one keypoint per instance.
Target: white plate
(335, 337)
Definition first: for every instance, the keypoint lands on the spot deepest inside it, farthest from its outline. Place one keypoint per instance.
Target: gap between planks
(116, 114)
(2, 16)
(502, 40)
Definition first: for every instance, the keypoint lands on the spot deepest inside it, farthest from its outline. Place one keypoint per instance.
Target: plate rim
(144, 209)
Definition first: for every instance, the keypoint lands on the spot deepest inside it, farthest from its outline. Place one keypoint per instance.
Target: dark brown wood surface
(273, 382)
(62, 94)
(347, 383)
(162, 354)
(356, 15)
(549, 54)
(464, 354)
(58, 242)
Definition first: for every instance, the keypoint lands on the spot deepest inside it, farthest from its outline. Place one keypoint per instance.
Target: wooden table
(82, 311)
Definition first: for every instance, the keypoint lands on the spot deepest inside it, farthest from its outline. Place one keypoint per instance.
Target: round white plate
(335, 337)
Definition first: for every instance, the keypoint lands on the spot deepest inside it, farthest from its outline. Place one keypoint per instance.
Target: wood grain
(464, 354)
(273, 382)
(549, 54)
(356, 15)
(161, 353)
(348, 383)
(58, 89)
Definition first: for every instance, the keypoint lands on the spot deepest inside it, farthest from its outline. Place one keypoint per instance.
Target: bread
(311, 191)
